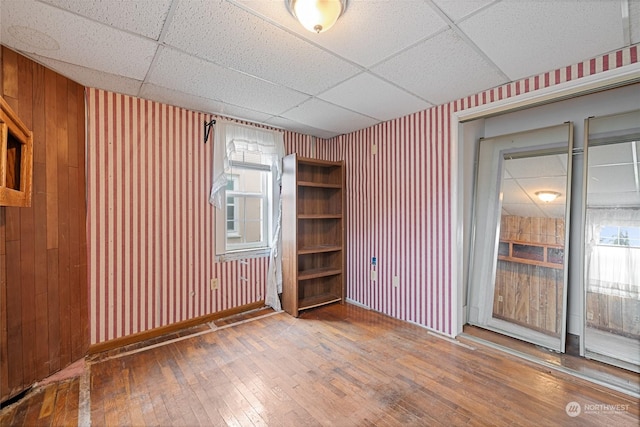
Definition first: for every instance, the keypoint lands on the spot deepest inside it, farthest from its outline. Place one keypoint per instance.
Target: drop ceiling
(251, 60)
(613, 181)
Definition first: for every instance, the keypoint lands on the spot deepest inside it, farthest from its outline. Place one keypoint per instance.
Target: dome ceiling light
(547, 196)
(317, 16)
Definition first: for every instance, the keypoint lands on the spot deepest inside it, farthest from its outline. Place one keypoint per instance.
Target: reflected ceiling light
(547, 196)
(317, 15)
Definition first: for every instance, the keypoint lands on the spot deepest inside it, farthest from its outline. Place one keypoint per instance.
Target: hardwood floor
(339, 365)
(616, 378)
(54, 404)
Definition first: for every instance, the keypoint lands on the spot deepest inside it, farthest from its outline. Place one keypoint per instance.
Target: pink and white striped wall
(399, 201)
(150, 225)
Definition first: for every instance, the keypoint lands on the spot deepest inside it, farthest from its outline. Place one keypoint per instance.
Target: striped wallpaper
(399, 201)
(151, 227)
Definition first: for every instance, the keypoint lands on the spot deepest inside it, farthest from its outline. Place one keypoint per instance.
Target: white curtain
(612, 270)
(231, 137)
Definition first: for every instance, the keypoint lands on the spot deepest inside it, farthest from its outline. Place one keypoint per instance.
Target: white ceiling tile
(513, 193)
(374, 97)
(144, 17)
(196, 103)
(553, 211)
(458, 9)
(246, 114)
(66, 37)
(526, 210)
(92, 78)
(612, 154)
(257, 63)
(608, 199)
(283, 123)
(368, 32)
(178, 71)
(322, 115)
(228, 35)
(529, 37)
(533, 185)
(539, 166)
(441, 69)
(612, 179)
(179, 99)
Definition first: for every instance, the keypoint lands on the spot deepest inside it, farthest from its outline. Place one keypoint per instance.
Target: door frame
(460, 157)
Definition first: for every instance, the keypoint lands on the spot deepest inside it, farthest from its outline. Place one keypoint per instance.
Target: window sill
(243, 254)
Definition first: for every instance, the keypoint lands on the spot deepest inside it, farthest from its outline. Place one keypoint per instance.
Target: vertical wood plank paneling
(4, 340)
(51, 217)
(11, 251)
(63, 219)
(27, 241)
(40, 323)
(39, 203)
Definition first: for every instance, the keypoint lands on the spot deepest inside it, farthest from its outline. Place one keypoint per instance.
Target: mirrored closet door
(612, 240)
(518, 276)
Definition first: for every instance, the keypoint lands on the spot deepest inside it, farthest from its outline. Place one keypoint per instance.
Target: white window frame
(632, 241)
(233, 139)
(226, 252)
(264, 195)
(233, 179)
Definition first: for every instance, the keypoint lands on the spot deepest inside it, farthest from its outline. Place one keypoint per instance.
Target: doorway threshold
(605, 375)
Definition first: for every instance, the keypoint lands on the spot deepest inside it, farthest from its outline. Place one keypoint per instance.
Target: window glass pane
(608, 235)
(620, 236)
(247, 203)
(253, 157)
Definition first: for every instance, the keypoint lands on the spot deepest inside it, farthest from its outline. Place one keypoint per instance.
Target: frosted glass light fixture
(547, 196)
(317, 15)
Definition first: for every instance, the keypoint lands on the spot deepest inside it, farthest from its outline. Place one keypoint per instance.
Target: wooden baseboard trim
(174, 327)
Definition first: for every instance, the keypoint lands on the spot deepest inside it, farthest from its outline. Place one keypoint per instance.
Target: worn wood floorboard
(339, 365)
(54, 404)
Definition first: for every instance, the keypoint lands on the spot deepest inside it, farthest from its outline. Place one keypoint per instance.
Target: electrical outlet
(589, 315)
(214, 284)
(396, 281)
(500, 299)
(374, 275)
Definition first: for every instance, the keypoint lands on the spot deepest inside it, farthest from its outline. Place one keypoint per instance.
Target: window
(246, 168)
(232, 206)
(615, 235)
(248, 197)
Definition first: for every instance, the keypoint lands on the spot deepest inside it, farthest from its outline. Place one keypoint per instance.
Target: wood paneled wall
(43, 249)
(614, 314)
(530, 294)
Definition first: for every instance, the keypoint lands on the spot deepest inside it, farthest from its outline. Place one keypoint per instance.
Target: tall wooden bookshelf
(313, 230)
